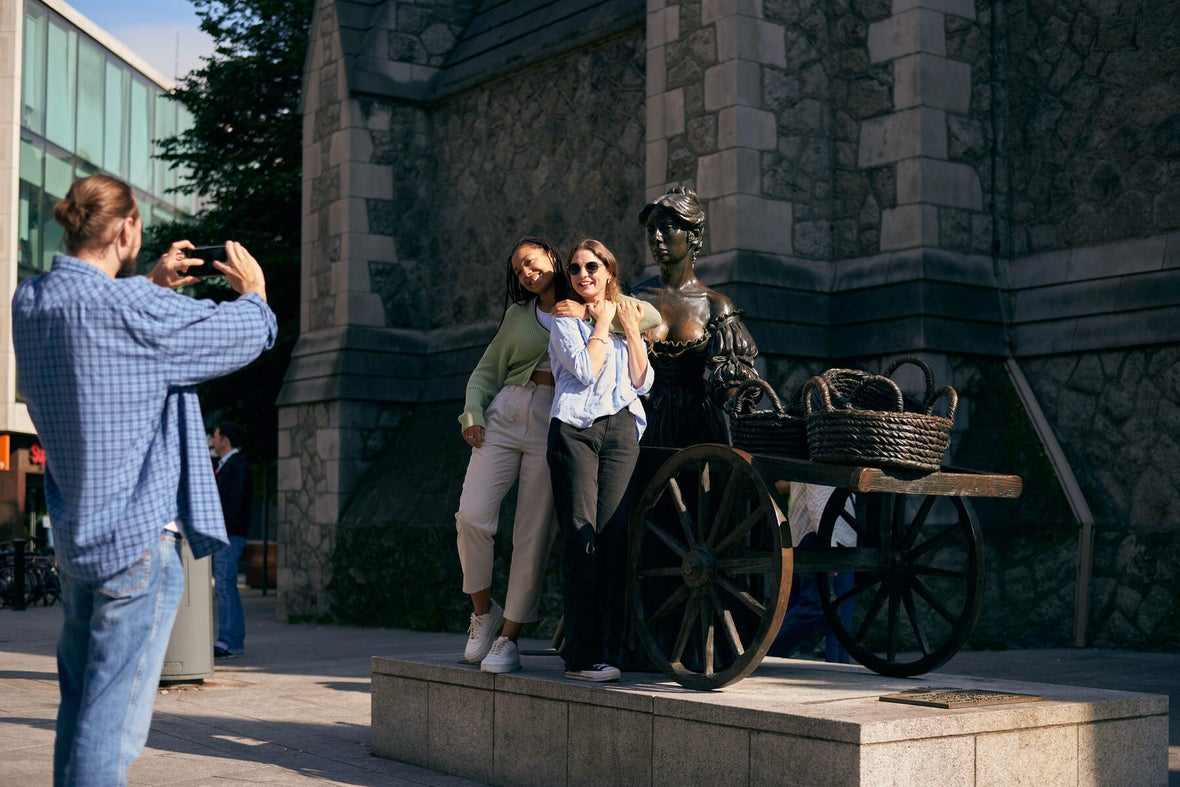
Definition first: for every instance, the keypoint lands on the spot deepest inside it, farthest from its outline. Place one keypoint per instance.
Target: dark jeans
(590, 469)
(805, 614)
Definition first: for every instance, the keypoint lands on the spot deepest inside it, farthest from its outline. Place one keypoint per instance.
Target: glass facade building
(73, 101)
(84, 109)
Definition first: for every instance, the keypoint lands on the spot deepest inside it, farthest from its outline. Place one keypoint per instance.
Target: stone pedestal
(791, 722)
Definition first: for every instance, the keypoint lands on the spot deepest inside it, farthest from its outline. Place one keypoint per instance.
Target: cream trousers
(515, 440)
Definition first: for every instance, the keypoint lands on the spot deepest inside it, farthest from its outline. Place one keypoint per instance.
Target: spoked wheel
(709, 578)
(917, 599)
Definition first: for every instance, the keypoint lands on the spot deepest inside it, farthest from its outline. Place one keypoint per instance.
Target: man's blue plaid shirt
(107, 368)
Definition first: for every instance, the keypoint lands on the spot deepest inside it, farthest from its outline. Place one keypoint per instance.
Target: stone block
(734, 82)
(609, 746)
(460, 731)
(751, 39)
(1045, 757)
(963, 8)
(657, 70)
(688, 752)
(917, 30)
(1037, 269)
(656, 167)
(789, 760)
(712, 10)
(290, 471)
(948, 762)
(663, 26)
(368, 181)
(901, 135)
(907, 226)
(751, 223)
(1139, 255)
(1103, 747)
(938, 182)
(929, 80)
(398, 705)
(360, 308)
(530, 740)
(733, 171)
(665, 115)
(747, 127)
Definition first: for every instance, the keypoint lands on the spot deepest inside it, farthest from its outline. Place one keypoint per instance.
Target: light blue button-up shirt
(581, 397)
(108, 369)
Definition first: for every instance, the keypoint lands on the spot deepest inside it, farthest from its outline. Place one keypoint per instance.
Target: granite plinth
(791, 722)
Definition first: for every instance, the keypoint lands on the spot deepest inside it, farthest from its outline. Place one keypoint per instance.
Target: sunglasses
(574, 269)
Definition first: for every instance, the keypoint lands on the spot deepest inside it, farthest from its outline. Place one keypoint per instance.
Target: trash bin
(190, 648)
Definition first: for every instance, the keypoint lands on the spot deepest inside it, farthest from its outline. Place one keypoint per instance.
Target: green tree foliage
(243, 154)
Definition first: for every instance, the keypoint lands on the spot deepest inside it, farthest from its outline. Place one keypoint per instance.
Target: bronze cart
(711, 558)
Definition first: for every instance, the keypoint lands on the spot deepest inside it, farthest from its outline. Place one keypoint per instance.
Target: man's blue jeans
(231, 620)
(109, 659)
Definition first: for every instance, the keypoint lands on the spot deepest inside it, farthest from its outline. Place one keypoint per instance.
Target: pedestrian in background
(108, 363)
(235, 486)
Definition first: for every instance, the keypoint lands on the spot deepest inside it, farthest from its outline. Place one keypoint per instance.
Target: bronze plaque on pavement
(958, 698)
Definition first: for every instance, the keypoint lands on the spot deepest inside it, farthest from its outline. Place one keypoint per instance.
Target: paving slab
(295, 708)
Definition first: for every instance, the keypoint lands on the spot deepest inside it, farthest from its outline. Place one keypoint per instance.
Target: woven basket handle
(952, 401)
(875, 381)
(929, 375)
(750, 392)
(817, 383)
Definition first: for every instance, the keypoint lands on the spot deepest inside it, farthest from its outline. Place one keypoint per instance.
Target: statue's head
(680, 206)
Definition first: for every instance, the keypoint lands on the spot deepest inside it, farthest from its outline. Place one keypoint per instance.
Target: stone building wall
(960, 179)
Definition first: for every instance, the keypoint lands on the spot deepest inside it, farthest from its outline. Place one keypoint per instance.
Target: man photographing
(107, 363)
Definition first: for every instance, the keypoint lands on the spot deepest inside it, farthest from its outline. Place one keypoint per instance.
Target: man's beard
(126, 268)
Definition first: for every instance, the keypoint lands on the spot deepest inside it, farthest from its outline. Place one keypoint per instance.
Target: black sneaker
(599, 673)
(222, 653)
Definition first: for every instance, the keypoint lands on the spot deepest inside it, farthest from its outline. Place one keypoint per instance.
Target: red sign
(37, 454)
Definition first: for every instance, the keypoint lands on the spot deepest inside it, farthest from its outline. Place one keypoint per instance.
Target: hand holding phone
(207, 255)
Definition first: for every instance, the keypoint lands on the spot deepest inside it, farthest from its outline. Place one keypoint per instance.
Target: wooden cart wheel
(917, 599)
(708, 576)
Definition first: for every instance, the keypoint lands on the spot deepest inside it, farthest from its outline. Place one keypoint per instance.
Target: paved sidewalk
(294, 709)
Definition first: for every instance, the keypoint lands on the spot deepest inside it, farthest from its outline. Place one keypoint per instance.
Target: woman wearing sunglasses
(593, 447)
(505, 420)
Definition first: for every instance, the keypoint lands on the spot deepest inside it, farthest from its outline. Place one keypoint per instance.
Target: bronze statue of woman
(701, 351)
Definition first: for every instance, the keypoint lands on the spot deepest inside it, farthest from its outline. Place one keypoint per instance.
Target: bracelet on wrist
(597, 339)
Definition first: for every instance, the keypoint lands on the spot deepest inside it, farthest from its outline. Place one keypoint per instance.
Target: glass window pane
(90, 103)
(29, 242)
(30, 162)
(187, 203)
(61, 68)
(165, 127)
(33, 71)
(114, 157)
(59, 174)
(139, 151)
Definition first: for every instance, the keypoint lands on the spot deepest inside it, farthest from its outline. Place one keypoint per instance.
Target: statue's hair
(683, 203)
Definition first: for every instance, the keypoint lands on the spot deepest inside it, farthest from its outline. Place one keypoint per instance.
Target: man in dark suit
(236, 487)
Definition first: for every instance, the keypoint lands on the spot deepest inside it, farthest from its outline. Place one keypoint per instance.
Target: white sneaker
(599, 673)
(503, 657)
(481, 632)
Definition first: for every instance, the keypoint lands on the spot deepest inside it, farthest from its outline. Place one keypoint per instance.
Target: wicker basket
(891, 438)
(779, 431)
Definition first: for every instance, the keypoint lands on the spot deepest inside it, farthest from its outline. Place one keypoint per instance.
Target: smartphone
(207, 254)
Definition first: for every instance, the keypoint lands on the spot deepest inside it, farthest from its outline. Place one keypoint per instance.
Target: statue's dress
(693, 380)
